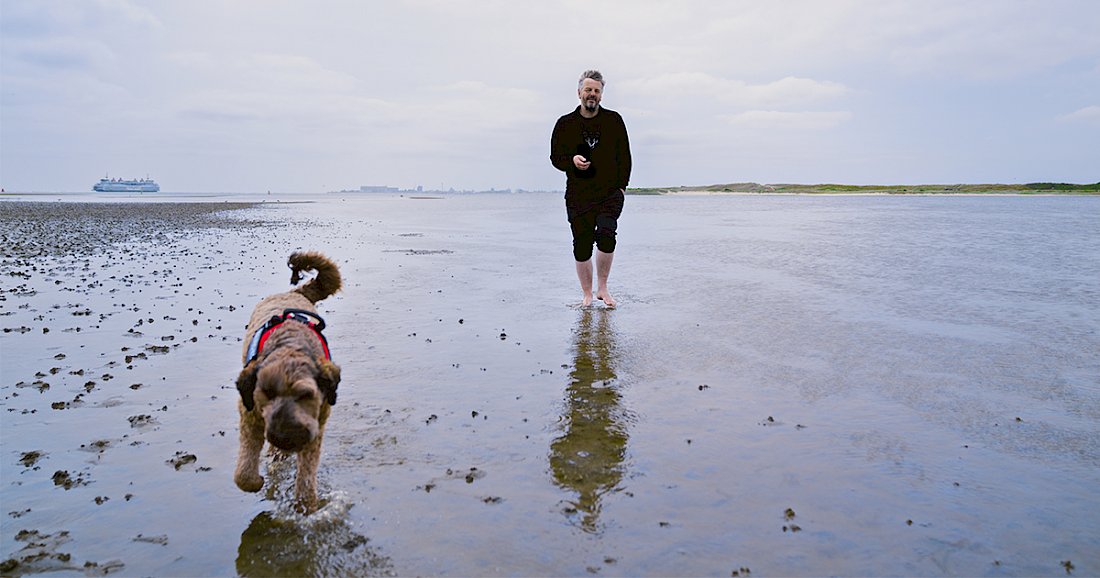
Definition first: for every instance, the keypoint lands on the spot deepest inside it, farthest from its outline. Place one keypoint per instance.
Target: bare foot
(605, 296)
(587, 300)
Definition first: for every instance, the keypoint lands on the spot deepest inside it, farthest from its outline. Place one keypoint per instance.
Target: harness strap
(256, 346)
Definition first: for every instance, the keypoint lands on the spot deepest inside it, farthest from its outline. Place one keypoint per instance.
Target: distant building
(377, 189)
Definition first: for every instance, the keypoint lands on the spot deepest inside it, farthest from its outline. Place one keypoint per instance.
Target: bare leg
(603, 270)
(584, 275)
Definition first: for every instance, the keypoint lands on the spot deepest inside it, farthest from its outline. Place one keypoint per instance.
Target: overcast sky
(311, 96)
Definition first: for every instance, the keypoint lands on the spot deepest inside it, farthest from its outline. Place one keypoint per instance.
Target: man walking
(590, 146)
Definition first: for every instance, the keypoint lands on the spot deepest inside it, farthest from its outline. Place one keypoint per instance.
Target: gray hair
(593, 74)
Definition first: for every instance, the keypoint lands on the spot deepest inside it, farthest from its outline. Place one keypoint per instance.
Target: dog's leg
(247, 476)
(305, 486)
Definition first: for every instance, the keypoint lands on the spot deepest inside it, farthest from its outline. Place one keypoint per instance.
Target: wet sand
(789, 387)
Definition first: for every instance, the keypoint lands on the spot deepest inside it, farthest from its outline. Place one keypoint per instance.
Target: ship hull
(117, 188)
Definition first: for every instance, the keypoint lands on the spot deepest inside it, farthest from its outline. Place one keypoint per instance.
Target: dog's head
(289, 391)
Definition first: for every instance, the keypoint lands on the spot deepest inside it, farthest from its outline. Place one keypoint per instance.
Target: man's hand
(581, 163)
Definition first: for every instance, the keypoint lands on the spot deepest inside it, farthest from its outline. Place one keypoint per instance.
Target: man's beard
(591, 105)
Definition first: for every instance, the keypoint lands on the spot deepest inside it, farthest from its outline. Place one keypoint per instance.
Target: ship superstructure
(145, 185)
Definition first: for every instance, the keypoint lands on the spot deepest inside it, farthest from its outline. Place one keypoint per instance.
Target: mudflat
(789, 386)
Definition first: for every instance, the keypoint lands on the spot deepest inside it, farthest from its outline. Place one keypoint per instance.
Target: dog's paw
(249, 482)
(306, 506)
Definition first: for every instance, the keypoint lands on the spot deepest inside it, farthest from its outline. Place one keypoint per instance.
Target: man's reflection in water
(588, 457)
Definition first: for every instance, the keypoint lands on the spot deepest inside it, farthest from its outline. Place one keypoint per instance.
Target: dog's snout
(286, 432)
(289, 439)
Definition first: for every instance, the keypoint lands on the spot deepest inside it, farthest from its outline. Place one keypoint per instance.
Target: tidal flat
(790, 386)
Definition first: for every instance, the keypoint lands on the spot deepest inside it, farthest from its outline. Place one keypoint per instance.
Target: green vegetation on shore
(825, 189)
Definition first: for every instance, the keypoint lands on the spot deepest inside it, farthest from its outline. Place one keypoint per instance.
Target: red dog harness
(310, 319)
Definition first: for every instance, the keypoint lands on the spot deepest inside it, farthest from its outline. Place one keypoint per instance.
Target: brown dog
(288, 382)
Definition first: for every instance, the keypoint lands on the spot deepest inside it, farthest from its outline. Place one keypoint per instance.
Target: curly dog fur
(287, 391)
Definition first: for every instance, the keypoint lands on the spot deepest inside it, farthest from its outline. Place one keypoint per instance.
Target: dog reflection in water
(289, 381)
(275, 545)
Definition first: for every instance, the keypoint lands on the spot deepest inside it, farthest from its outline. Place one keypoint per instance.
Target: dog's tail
(327, 281)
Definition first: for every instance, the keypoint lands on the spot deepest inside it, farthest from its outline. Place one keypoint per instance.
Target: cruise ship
(126, 186)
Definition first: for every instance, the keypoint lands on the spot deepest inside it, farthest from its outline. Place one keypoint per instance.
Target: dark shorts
(593, 221)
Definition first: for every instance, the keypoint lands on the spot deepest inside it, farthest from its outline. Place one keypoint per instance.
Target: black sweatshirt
(603, 141)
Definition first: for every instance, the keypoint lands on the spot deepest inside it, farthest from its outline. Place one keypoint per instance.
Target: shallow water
(790, 385)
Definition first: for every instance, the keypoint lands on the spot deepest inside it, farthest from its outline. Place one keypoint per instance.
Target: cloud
(296, 100)
(965, 41)
(265, 71)
(785, 92)
(990, 41)
(277, 90)
(130, 12)
(780, 120)
(73, 53)
(60, 19)
(66, 54)
(484, 104)
(273, 88)
(1089, 116)
(428, 89)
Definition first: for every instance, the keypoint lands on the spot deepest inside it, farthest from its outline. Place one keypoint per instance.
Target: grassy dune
(1018, 189)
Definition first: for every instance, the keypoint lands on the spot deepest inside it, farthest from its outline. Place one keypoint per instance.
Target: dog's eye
(305, 396)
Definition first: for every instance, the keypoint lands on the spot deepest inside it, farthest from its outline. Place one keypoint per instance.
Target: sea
(792, 385)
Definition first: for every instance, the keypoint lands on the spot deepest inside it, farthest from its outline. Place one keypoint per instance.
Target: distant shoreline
(746, 189)
(678, 193)
(1028, 189)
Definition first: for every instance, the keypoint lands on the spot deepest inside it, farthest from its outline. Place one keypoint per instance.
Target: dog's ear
(246, 384)
(328, 377)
